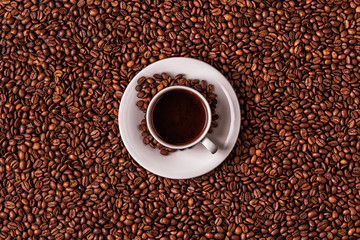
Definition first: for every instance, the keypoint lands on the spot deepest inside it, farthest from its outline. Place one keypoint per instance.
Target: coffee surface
(179, 117)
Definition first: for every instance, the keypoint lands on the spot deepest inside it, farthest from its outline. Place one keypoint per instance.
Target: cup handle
(209, 145)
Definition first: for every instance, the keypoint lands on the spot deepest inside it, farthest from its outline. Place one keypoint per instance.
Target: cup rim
(150, 126)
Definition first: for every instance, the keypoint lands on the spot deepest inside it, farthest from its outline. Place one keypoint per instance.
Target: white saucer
(192, 162)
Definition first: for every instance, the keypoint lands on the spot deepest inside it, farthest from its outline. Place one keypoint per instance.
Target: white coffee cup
(200, 139)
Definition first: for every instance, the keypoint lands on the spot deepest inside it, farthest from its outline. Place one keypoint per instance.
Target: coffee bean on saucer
(164, 152)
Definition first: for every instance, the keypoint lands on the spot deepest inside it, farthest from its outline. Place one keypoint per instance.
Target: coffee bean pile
(293, 174)
(148, 87)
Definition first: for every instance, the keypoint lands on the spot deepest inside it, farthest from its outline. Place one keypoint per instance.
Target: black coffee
(179, 117)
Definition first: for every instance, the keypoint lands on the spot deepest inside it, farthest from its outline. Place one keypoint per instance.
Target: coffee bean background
(148, 87)
(293, 174)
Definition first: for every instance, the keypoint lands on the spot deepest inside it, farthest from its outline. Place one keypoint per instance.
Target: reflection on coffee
(179, 117)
